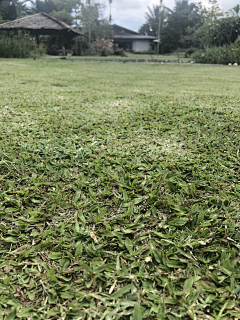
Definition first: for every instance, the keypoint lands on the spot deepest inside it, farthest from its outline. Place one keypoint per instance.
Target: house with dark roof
(132, 41)
(42, 24)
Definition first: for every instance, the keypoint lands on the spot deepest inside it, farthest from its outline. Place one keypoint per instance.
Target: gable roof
(121, 33)
(133, 37)
(121, 30)
(39, 22)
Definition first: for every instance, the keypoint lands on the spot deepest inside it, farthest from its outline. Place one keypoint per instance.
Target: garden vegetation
(185, 28)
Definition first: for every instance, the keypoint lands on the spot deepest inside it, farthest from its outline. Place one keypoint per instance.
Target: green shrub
(119, 52)
(145, 52)
(80, 46)
(17, 46)
(219, 55)
(37, 52)
(190, 51)
(103, 47)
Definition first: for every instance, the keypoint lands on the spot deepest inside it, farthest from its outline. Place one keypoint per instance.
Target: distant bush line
(219, 55)
(19, 46)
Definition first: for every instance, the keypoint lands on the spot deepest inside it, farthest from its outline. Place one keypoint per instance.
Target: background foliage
(192, 25)
(187, 25)
(219, 55)
(19, 46)
(86, 15)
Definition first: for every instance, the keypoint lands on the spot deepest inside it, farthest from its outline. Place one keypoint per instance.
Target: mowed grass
(119, 191)
(128, 57)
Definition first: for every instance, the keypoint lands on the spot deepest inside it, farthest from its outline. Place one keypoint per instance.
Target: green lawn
(129, 57)
(119, 191)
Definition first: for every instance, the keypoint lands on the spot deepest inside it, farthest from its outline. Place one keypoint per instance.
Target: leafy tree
(225, 31)
(102, 30)
(90, 20)
(64, 9)
(60, 9)
(210, 32)
(63, 16)
(177, 26)
(10, 10)
(67, 5)
(46, 6)
(181, 25)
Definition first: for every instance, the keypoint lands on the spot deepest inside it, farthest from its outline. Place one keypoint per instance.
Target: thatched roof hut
(41, 24)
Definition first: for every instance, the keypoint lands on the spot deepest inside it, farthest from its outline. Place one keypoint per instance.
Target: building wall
(141, 45)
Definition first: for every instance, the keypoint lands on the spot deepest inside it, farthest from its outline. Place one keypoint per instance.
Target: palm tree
(150, 27)
(159, 25)
(154, 12)
(237, 9)
(155, 18)
(110, 5)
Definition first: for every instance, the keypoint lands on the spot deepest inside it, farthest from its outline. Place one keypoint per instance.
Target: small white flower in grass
(229, 64)
(112, 287)
(148, 259)
(235, 64)
(93, 236)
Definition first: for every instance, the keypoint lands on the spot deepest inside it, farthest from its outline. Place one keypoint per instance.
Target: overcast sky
(131, 13)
